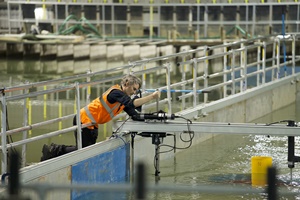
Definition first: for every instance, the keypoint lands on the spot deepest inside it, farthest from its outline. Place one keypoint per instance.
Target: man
(101, 110)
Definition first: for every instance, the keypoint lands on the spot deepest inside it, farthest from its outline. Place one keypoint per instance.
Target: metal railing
(223, 68)
(140, 188)
(182, 19)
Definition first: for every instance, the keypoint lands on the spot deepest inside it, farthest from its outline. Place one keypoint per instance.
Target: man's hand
(156, 95)
(140, 101)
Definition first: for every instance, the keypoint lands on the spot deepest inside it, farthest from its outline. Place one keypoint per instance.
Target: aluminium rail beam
(176, 126)
(156, 127)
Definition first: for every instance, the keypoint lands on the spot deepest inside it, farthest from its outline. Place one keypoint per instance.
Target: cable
(117, 130)
(117, 136)
(191, 134)
(290, 122)
(114, 135)
(162, 116)
(184, 119)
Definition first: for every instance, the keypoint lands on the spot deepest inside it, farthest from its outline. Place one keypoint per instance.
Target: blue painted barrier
(109, 167)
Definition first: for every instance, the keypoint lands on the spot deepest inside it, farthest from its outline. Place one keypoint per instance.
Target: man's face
(131, 89)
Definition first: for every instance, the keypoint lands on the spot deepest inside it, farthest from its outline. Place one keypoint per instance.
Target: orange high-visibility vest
(100, 111)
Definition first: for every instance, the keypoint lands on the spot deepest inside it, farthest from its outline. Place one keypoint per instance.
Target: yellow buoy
(259, 170)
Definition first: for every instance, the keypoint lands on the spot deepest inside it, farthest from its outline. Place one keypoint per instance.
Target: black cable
(120, 126)
(164, 117)
(290, 122)
(155, 157)
(191, 134)
(188, 120)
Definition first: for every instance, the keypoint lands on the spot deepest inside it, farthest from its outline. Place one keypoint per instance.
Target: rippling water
(226, 159)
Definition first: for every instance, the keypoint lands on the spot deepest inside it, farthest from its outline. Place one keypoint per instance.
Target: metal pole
(103, 24)
(258, 66)
(272, 188)
(140, 183)
(264, 51)
(283, 45)
(143, 81)
(168, 77)
(174, 91)
(278, 58)
(273, 58)
(225, 61)
(233, 73)
(194, 82)
(3, 134)
(205, 73)
(14, 183)
(25, 132)
(151, 21)
(205, 20)
(245, 69)
(183, 77)
(253, 20)
(113, 21)
(242, 64)
(79, 140)
(8, 16)
(88, 91)
(157, 178)
(293, 53)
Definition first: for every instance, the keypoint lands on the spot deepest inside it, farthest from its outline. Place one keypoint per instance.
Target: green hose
(240, 30)
(90, 30)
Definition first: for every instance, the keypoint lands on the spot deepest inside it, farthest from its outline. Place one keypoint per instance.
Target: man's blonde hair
(131, 79)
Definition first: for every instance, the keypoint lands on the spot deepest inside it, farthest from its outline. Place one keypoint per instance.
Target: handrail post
(264, 51)
(278, 58)
(168, 77)
(243, 67)
(293, 53)
(233, 73)
(130, 68)
(258, 61)
(3, 134)
(225, 61)
(245, 70)
(9, 15)
(194, 82)
(88, 92)
(183, 77)
(274, 58)
(78, 122)
(25, 115)
(272, 189)
(143, 81)
(205, 77)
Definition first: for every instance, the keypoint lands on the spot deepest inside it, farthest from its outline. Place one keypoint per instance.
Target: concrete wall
(256, 104)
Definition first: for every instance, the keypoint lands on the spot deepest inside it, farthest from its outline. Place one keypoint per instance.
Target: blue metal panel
(109, 167)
